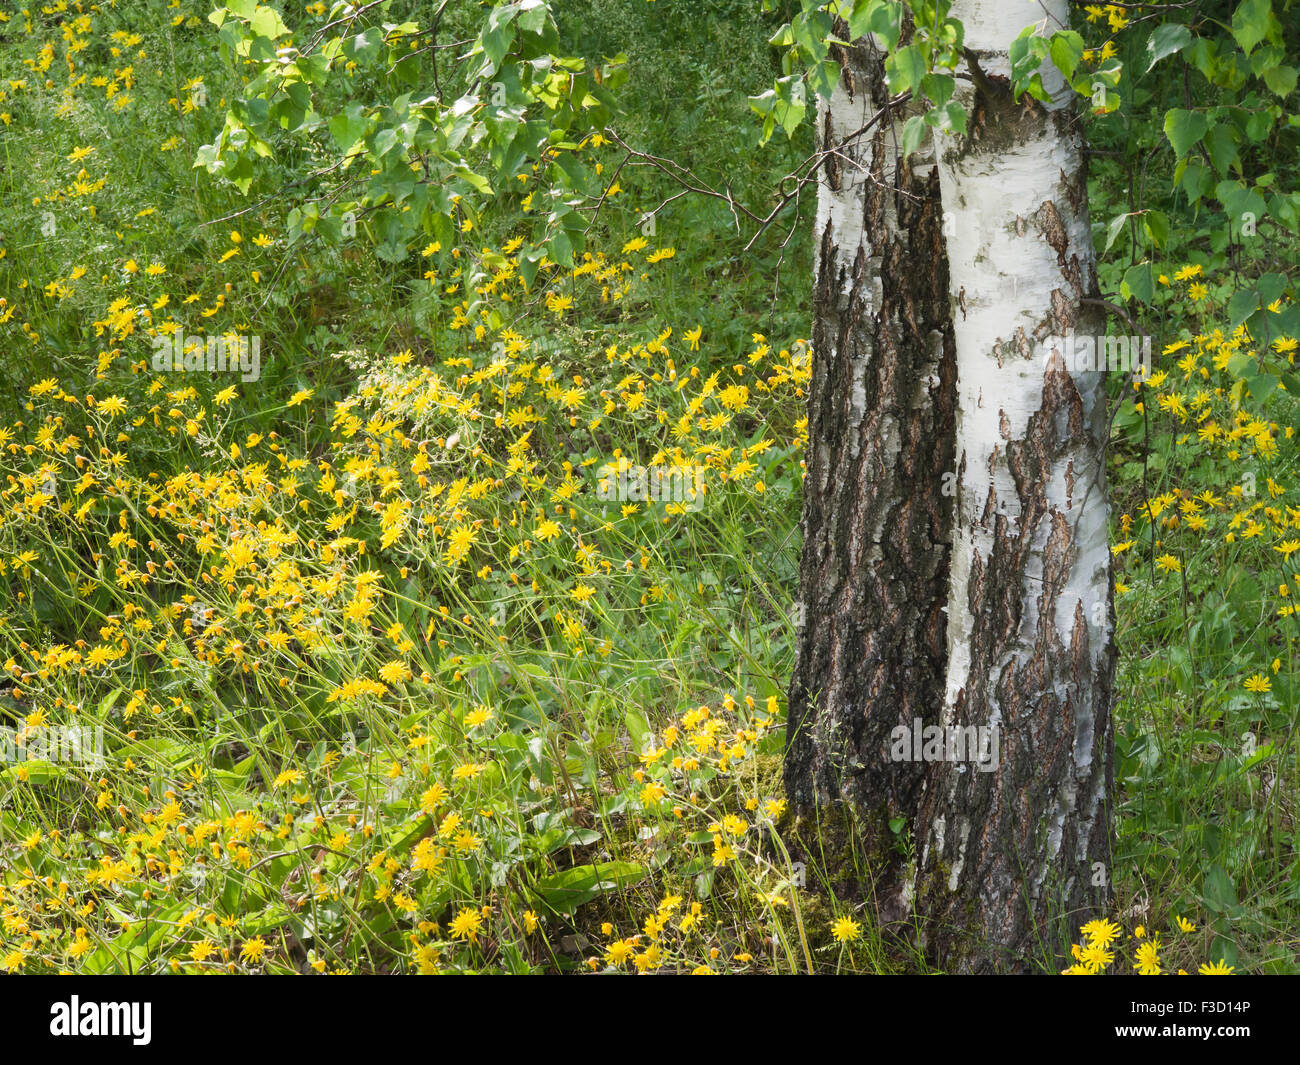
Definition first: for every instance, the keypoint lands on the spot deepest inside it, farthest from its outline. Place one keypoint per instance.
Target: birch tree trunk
(1011, 858)
(874, 569)
(991, 611)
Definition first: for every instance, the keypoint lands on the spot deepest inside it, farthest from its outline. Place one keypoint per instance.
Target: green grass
(687, 610)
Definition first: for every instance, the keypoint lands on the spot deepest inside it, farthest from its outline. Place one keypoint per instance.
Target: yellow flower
(846, 930)
(1148, 959)
(1095, 958)
(253, 950)
(465, 925)
(432, 798)
(1101, 933)
(1258, 683)
(480, 715)
(619, 951)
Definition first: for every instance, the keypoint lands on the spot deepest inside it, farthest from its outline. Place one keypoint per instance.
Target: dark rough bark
(1013, 860)
(1021, 894)
(871, 648)
(1007, 862)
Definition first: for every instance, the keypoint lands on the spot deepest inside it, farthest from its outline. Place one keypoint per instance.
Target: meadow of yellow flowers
(358, 666)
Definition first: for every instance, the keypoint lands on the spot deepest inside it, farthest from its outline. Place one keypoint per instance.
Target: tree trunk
(1007, 859)
(874, 569)
(1012, 838)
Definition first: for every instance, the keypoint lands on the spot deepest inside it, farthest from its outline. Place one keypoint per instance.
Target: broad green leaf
(1242, 304)
(1138, 283)
(886, 23)
(566, 891)
(1262, 386)
(266, 22)
(1221, 143)
(1282, 80)
(532, 16)
(914, 133)
(859, 19)
(1065, 50)
(1166, 41)
(905, 68)
(938, 88)
(1156, 224)
(1271, 287)
(1218, 891)
(1184, 129)
(1239, 199)
(1252, 22)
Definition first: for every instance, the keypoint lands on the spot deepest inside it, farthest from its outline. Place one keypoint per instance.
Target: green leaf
(1252, 22)
(496, 44)
(905, 68)
(955, 115)
(824, 77)
(1241, 306)
(1138, 283)
(1239, 199)
(1221, 143)
(1065, 50)
(914, 134)
(566, 891)
(886, 23)
(1156, 224)
(638, 728)
(532, 16)
(560, 248)
(1282, 80)
(782, 38)
(1166, 41)
(1262, 386)
(385, 141)
(1259, 126)
(1224, 950)
(37, 771)
(1184, 129)
(1217, 891)
(859, 19)
(266, 22)
(1271, 287)
(1114, 229)
(938, 88)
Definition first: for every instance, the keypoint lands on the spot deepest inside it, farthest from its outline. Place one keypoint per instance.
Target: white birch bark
(1030, 650)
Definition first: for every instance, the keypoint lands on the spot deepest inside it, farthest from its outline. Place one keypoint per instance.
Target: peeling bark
(993, 610)
(876, 522)
(1009, 857)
